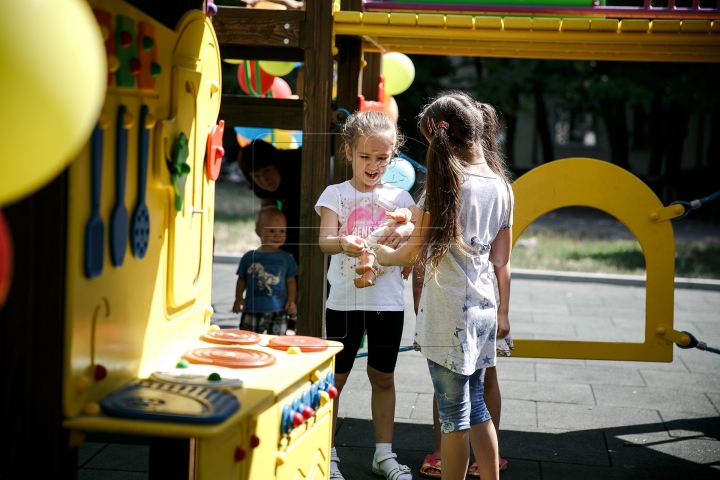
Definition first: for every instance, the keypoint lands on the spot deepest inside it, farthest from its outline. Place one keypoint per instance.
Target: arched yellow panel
(594, 183)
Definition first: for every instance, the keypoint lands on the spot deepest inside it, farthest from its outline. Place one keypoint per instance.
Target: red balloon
(280, 88)
(266, 80)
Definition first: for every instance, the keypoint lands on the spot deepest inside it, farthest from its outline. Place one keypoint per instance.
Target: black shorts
(384, 332)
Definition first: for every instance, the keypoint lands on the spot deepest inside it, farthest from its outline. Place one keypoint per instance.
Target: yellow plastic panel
(639, 26)
(716, 26)
(118, 320)
(541, 23)
(489, 23)
(604, 25)
(215, 456)
(459, 21)
(309, 456)
(696, 26)
(261, 461)
(601, 185)
(375, 18)
(403, 19)
(575, 25)
(347, 17)
(665, 26)
(430, 20)
(517, 23)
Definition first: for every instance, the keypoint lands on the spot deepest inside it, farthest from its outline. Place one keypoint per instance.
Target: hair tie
(433, 128)
(479, 106)
(444, 124)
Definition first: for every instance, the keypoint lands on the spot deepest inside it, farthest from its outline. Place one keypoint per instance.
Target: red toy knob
(332, 391)
(100, 372)
(134, 66)
(298, 419)
(307, 412)
(239, 454)
(254, 441)
(125, 39)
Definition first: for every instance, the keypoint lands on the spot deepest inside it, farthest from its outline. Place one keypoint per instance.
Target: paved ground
(561, 419)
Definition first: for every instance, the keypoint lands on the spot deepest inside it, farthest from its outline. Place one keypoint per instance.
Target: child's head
(460, 131)
(370, 141)
(271, 226)
(258, 162)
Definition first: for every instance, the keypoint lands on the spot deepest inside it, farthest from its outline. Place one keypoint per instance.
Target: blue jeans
(459, 398)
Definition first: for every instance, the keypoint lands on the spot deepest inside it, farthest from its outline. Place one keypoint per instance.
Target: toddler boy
(267, 276)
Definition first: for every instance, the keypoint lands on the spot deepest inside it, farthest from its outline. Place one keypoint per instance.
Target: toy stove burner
(305, 344)
(233, 357)
(231, 337)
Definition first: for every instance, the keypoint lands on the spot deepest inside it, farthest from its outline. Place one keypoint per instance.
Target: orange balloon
(391, 108)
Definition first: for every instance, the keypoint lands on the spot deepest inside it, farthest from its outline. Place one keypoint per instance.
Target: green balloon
(277, 69)
(399, 72)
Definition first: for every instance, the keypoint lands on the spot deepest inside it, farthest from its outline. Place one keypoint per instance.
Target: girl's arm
(329, 240)
(503, 278)
(501, 247)
(406, 255)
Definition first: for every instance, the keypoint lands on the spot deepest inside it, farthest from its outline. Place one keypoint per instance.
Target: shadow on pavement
(680, 449)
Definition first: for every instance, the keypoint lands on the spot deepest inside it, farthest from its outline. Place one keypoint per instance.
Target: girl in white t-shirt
(349, 213)
(464, 226)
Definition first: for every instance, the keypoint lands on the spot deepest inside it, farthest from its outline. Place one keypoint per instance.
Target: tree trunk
(657, 138)
(542, 124)
(615, 117)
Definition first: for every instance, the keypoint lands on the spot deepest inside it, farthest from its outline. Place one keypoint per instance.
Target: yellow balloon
(52, 86)
(277, 69)
(282, 140)
(399, 72)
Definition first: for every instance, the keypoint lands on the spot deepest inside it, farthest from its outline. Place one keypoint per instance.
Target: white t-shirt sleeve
(507, 220)
(405, 200)
(329, 199)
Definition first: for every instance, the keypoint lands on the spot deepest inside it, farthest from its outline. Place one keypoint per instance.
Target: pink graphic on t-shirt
(362, 222)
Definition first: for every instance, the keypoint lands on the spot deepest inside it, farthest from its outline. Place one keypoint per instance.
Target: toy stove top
(192, 390)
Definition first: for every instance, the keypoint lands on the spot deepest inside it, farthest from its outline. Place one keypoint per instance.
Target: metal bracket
(671, 335)
(666, 213)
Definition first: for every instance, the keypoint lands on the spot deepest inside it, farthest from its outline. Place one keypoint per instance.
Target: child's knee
(381, 380)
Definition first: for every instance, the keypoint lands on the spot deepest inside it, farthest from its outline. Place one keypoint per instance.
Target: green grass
(574, 250)
(235, 208)
(582, 251)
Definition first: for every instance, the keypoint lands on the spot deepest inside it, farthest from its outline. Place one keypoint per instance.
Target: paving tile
(580, 394)
(653, 399)
(705, 327)
(423, 407)
(541, 309)
(565, 471)
(558, 329)
(509, 370)
(695, 382)
(658, 452)
(357, 404)
(518, 413)
(87, 451)
(548, 319)
(558, 361)
(91, 474)
(580, 417)
(613, 311)
(691, 424)
(128, 458)
(710, 317)
(715, 399)
(677, 365)
(587, 448)
(588, 374)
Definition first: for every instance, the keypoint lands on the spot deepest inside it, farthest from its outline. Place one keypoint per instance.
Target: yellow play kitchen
(139, 355)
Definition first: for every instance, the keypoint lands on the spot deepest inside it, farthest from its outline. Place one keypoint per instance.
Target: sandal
(473, 471)
(394, 473)
(431, 467)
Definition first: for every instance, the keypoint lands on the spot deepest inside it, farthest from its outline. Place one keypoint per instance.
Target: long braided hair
(454, 124)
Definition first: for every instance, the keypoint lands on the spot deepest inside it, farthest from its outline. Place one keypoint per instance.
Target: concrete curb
(556, 276)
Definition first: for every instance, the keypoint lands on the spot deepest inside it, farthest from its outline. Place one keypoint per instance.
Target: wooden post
(315, 173)
(371, 76)
(348, 87)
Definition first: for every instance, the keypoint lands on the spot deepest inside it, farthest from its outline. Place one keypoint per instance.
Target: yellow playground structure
(113, 117)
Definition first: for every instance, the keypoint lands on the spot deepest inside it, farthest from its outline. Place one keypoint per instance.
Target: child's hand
(352, 245)
(239, 305)
(291, 309)
(397, 234)
(503, 325)
(406, 272)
